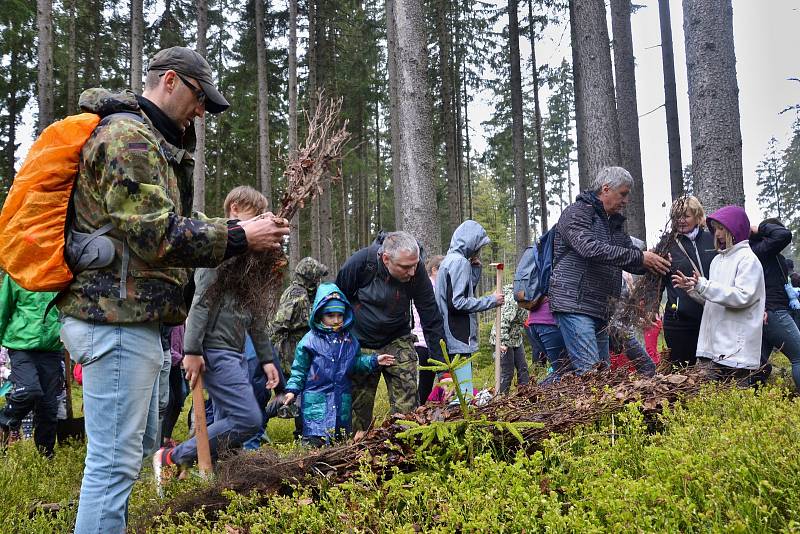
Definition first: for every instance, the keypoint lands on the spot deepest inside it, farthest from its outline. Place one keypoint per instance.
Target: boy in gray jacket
(459, 273)
(214, 345)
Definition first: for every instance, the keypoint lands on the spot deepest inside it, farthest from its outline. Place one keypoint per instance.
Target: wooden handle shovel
(500, 267)
(200, 428)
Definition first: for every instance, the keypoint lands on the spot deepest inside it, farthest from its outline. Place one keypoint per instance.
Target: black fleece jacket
(767, 244)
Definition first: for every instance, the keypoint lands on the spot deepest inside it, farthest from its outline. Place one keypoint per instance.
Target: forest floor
(726, 460)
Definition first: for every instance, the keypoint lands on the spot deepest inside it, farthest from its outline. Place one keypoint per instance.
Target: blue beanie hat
(334, 305)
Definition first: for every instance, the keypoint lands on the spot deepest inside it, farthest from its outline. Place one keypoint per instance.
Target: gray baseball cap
(189, 63)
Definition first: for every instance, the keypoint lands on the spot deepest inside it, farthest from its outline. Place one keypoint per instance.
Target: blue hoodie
(323, 363)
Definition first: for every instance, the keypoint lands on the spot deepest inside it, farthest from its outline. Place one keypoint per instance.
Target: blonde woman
(692, 250)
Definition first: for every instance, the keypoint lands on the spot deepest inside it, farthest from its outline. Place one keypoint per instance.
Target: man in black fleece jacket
(381, 281)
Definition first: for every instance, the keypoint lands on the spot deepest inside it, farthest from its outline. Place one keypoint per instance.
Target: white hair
(396, 242)
(613, 177)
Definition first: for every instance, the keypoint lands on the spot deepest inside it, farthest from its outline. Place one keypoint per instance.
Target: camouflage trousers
(401, 383)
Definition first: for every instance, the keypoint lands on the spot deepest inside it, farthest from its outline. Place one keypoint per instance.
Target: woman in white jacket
(733, 299)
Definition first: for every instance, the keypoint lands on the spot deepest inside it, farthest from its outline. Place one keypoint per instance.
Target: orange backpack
(34, 215)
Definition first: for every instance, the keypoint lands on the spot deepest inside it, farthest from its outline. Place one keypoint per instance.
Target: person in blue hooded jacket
(324, 360)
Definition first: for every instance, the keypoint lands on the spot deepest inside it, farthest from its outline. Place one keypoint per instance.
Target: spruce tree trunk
(521, 218)
(312, 55)
(580, 121)
(537, 110)
(72, 58)
(594, 81)
(414, 139)
(325, 65)
(448, 120)
(394, 125)
(44, 23)
(713, 102)
(671, 101)
(628, 113)
(137, 42)
(378, 167)
(265, 178)
(294, 234)
(199, 182)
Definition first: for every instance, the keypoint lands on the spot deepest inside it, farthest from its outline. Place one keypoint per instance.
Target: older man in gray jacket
(459, 273)
(591, 249)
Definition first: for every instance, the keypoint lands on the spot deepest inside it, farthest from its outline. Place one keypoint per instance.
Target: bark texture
(448, 119)
(521, 218)
(294, 234)
(199, 181)
(414, 139)
(713, 102)
(628, 113)
(137, 43)
(580, 122)
(264, 168)
(44, 23)
(594, 82)
(671, 101)
(537, 117)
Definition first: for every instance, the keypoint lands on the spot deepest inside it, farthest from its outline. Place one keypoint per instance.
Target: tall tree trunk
(448, 120)
(467, 144)
(671, 101)
(325, 79)
(137, 42)
(594, 76)
(312, 56)
(538, 120)
(713, 102)
(523, 227)
(12, 103)
(199, 202)
(628, 113)
(265, 178)
(394, 104)
(378, 167)
(294, 234)
(72, 57)
(580, 119)
(414, 113)
(44, 23)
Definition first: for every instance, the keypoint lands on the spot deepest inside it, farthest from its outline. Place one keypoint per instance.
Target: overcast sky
(767, 53)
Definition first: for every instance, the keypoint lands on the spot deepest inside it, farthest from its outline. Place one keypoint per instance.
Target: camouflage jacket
(131, 176)
(512, 321)
(290, 322)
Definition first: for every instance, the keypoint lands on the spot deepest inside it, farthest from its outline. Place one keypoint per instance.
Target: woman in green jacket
(35, 351)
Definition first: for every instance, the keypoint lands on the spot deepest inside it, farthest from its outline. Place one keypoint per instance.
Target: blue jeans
(237, 416)
(586, 339)
(553, 342)
(121, 363)
(781, 333)
(625, 341)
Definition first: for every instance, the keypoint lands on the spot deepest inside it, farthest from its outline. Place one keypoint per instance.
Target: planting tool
(200, 428)
(499, 267)
(71, 427)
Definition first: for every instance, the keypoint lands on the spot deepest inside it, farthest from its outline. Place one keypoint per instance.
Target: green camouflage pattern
(131, 176)
(512, 321)
(401, 383)
(290, 322)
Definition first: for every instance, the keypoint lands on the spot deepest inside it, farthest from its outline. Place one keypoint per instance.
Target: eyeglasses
(199, 94)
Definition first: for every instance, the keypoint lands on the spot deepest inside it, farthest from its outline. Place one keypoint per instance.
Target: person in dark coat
(780, 332)
(591, 249)
(692, 250)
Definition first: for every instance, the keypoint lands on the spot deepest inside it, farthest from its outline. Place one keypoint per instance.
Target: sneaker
(161, 460)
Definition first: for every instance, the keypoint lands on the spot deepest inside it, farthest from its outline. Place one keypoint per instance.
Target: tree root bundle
(257, 278)
(571, 403)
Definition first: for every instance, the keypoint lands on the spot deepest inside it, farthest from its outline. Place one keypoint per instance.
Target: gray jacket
(455, 289)
(589, 253)
(221, 325)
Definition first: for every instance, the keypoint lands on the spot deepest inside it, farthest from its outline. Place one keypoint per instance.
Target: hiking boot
(161, 462)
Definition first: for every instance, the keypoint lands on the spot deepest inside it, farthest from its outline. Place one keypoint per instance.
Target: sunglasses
(199, 94)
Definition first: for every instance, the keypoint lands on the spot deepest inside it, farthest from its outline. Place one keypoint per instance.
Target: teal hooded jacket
(323, 363)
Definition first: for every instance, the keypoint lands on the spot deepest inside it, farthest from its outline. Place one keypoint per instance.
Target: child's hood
(735, 219)
(329, 291)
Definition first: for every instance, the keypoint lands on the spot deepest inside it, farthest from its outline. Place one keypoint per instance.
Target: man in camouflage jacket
(291, 319)
(136, 174)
